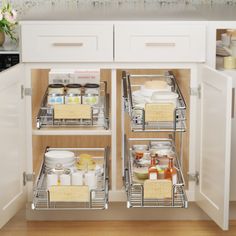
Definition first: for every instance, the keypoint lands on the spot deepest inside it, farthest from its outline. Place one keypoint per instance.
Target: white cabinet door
(12, 143)
(232, 73)
(213, 158)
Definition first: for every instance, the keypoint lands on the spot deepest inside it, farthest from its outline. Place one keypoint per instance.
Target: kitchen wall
(23, 6)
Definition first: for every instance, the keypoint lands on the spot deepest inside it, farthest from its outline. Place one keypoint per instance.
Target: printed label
(174, 179)
(153, 176)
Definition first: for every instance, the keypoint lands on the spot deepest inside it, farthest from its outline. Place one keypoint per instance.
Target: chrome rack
(98, 199)
(135, 191)
(138, 123)
(45, 117)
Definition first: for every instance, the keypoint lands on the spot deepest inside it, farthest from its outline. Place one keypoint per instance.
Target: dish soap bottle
(152, 170)
(171, 172)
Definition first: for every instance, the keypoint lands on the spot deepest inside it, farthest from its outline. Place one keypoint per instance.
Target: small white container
(56, 89)
(165, 97)
(73, 94)
(90, 179)
(59, 156)
(77, 178)
(154, 86)
(52, 179)
(91, 94)
(65, 179)
(55, 94)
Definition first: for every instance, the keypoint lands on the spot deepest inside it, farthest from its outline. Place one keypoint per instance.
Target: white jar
(90, 180)
(56, 89)
(52, 179)
(77, 178)
(91, 94)
(55, 94)
(65, 179)
(73, 94)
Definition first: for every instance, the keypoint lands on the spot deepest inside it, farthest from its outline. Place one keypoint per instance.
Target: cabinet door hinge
(196, 91)
(28, 178)
(25, 91)
(194, 177)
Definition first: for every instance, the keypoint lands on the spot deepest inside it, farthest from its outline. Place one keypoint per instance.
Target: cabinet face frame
(116, 195)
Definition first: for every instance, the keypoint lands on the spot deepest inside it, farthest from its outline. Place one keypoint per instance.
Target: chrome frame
(41, 196)
(135, 191)
(178, 124)
(45, 116)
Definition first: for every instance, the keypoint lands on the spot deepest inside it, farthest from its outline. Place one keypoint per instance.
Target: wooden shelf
(55, 131)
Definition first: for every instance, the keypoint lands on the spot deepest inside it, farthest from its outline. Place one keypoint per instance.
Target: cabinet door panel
(213, 162)
(12, 143)
(232, 73)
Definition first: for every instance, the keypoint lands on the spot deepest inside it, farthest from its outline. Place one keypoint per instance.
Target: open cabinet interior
(225, 49)
(177, 135)
(181, 139)
(97, 195)
(71, 167)
(48, 116)
(40, 143)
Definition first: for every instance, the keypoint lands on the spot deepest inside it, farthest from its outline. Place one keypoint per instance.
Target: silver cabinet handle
(68, 44)
(160, 44)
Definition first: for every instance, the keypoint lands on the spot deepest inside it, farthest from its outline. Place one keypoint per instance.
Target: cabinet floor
(18, 226)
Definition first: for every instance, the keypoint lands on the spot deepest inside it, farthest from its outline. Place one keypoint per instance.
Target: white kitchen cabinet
(159, 42)
(13, 142)
(213, 34)
(212, 141)
(232, 73)
(63, 42)
(215, 92)
(214, 135)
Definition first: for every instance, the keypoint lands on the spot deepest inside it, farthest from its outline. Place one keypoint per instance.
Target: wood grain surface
(20, 227)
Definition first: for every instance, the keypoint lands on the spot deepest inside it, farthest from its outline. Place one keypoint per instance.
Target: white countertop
(135, 12)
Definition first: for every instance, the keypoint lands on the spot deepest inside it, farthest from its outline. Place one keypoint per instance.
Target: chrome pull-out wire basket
(98, 197)
(135, 189)
(138, 116)
(99, 114)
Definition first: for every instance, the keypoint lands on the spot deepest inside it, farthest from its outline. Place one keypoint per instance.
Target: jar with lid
(91, 94)
(55, 94)
(73, 94)
(58, 175)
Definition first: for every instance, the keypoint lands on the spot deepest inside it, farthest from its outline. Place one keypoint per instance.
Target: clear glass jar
(91, 94)
(73, 94)
(55, 94)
